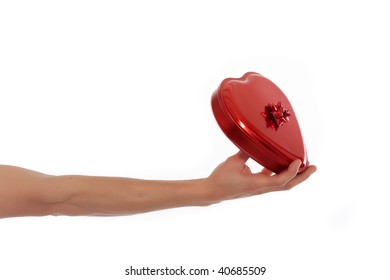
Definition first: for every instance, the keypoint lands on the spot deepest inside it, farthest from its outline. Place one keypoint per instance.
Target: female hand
(234, 179)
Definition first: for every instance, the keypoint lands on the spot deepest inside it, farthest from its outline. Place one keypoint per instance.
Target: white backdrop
(123, 88)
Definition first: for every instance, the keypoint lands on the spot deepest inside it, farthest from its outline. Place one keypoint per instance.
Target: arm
(28, 193)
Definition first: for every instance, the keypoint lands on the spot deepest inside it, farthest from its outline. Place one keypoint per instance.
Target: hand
(233, 179)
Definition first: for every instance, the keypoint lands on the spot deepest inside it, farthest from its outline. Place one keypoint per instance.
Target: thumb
(240, 157)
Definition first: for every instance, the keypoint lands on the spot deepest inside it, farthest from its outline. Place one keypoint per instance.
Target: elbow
(57, 197)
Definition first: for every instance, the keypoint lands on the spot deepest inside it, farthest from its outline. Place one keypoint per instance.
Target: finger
(246, 170)
(266, 171)
(292, 183)
(302, 176)
(287, 175)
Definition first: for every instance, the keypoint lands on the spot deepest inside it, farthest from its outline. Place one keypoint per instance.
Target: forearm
(25, 192)
(91, 195)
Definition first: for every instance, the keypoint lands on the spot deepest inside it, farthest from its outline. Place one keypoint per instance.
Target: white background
(123, 88)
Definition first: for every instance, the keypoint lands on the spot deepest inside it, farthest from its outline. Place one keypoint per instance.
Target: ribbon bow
(275, 115)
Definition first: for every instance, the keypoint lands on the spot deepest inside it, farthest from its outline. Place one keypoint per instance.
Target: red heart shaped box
(240, 108)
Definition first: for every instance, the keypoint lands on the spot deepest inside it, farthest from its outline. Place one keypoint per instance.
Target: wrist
(202, 194)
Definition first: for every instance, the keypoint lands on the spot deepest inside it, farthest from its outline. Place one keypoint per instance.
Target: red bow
(275, 115)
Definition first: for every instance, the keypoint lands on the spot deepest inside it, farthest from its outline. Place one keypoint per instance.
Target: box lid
(259, 119)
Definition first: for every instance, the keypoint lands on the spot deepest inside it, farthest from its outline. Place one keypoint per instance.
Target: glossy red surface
(239, 106)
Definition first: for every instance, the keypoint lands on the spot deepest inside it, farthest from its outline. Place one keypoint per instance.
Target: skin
(28, 193)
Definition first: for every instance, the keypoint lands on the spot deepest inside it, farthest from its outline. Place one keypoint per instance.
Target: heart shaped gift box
(258, 118)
